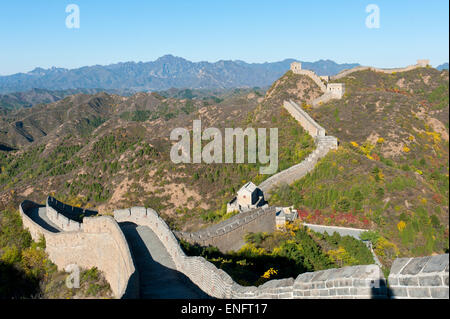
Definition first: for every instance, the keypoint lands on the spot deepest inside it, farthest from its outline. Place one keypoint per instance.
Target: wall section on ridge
(229, 234)
(99, 243)
(365, 281)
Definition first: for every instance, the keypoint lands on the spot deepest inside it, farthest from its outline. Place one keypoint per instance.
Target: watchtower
(423, 63)
(336, 89)
(296, 67)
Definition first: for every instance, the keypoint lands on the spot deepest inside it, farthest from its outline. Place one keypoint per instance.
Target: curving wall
(350, 282)
(324, 145)
(420, 64)
(306, 121)
(229, 234)
(99, 242)
(323, 99)
(56, 213)
(313, 77)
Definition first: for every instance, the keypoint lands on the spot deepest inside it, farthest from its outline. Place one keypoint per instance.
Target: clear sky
(33, 33)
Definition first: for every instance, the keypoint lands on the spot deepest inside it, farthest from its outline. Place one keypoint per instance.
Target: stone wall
(306, 121)
(343, 231)
(324, 145)
(99, 243)
(313, 77)
(423, 277)
(298, 171)
(229, 234)
(323, 99)
(420, 64)
(59, 219)
(64, 216)
(349, 282)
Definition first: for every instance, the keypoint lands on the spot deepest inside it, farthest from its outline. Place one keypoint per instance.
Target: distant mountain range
(164, 73)
(17, 100)
(442, 67)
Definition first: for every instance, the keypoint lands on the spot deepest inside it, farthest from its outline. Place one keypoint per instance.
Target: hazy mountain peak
(166, 72)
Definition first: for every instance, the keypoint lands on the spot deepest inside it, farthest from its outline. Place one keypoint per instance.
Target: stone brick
(415, 266)
(324, 292)
(315, 292)
(361, 291)
(439, 292)
(319, 285)
(399, 292)
(343, 291)
(430, 281)
(408, 281)
(445, 280)
(436, 263)
(398, 264)
(419, 292)
(343, 283)
(393, 281)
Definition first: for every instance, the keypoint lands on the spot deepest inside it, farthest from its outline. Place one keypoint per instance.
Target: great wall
(141, 257)
(419, 64)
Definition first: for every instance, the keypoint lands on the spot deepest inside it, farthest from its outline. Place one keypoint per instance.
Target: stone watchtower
(296, 67)
(336, 89)
(423, 63)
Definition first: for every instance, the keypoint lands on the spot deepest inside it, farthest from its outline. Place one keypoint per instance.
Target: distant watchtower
(336, 89)
(296, 67)
(423, 63)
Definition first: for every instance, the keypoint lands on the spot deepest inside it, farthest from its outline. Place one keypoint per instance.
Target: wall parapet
(65, 216)
(99, 243)
(306, 121)
(324, 144)
(344, 73)
(364, 281)
(228, 235)
(422, 277)
(313, 77)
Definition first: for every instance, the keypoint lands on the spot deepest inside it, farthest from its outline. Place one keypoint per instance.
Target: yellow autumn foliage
(385, 248)
(401, 225)
(270, 273)
(341, 256)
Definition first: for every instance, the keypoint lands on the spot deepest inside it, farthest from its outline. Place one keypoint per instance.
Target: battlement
(296, 67)
(228, 235)
(422, 63)
(336, 89)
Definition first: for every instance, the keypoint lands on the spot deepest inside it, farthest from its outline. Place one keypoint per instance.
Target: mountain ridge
(164, 73)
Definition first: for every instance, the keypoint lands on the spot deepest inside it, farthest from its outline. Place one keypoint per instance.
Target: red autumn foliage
(334, 219)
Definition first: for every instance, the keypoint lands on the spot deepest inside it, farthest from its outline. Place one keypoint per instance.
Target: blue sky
(33, 33)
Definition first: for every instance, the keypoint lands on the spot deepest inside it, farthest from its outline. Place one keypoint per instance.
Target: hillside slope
(109, 151)
(390, 173)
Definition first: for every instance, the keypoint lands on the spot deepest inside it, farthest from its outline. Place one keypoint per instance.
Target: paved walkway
(158, 276)
(39, 216)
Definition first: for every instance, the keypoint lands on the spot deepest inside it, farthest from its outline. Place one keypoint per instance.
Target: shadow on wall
(34, 215)
(74, 213)
(380, 291)
(157, 281)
